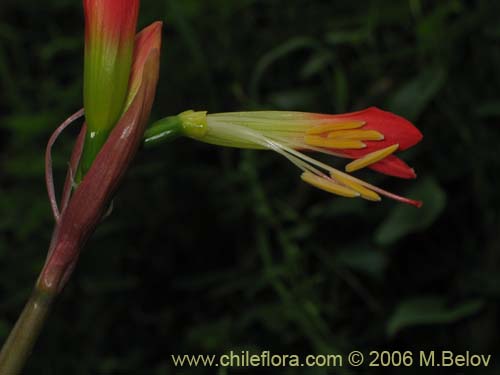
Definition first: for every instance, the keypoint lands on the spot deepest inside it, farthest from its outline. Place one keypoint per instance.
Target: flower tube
(370, 137)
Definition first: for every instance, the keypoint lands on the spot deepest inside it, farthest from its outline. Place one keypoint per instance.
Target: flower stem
(164, 130)
(21, 340)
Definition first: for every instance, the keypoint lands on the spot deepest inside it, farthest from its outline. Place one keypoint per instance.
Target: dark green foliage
(212, 249)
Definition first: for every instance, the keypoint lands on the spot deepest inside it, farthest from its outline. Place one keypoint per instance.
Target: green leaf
(429, 310)
(405, 219)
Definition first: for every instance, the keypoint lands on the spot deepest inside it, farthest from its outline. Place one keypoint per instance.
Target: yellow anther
(370, 158)
(362, 135)
(331, 126)
(364, 192)
(315, 140)
(328, 185)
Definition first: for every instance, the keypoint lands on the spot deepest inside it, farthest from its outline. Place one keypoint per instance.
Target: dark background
(212, 249)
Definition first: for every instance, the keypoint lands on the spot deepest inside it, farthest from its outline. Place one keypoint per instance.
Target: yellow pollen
(362, 135)
(364, 192)
(370, 158)
(328, 185)
(315, 140)
(319, 129)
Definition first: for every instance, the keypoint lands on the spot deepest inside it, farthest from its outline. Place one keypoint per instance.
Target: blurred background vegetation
(212, 249)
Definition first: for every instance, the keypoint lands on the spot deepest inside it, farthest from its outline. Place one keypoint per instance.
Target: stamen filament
(367, 185)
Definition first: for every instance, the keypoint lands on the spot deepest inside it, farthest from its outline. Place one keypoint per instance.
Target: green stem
(164, 130)
(23, 336)
(21, 340)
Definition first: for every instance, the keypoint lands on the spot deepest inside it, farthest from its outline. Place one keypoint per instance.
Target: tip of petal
(147, 41)
(394, 127)
(394, 166)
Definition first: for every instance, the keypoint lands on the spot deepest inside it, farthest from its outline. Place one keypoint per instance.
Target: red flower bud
(91, 198)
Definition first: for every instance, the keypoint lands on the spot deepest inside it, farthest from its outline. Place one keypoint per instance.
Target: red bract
(86, 206)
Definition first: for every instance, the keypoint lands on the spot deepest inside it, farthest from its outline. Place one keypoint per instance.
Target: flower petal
(394, 166)
(395, 129)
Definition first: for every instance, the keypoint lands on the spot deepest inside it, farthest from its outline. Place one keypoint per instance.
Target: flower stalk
(22, 339)
(84, 203)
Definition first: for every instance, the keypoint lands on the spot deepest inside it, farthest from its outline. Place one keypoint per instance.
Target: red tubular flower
(393, 130)
(370, 137)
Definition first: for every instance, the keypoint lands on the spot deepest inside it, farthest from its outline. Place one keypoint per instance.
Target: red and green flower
(370, 137)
